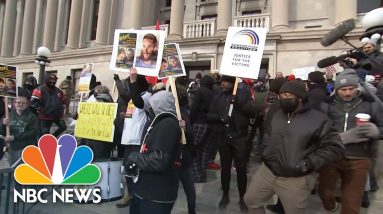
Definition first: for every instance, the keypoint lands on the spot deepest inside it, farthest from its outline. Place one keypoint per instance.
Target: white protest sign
(302, 73)
(172, 64)
(243, 52)
(141, 49)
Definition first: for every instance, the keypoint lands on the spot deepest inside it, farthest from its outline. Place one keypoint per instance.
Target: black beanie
(295, 87)
(228, 79)
(316, 77)
(276, 84)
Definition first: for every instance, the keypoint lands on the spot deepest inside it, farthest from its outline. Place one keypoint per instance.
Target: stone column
(345, 9)
(50, 24)
(176, 19)
(133, 12)
(39, 26)
(60, 28)
(28, 26)
(279, 14)
(103, 22)
(113, 20)
(18, 27)
(224, 17)
(74, 24)
(9, 29)
(86, 23)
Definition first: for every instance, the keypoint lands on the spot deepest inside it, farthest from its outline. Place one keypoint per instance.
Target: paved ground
(208, 195)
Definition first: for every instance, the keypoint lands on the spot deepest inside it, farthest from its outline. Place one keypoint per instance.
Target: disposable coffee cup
(362, 118)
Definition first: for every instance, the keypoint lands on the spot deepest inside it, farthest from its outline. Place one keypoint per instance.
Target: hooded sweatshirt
(159, 175)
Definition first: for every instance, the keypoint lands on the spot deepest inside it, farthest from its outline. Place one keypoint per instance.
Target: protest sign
(95, 121)
(85, 77)
(172, 63)
(8, 87)
(302, 73)
(138, 48)
(243, 52)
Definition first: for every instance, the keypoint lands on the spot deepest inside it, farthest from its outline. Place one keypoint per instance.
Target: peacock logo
(57, 162)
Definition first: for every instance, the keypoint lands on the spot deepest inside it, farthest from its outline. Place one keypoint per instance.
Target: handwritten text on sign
(95, 121)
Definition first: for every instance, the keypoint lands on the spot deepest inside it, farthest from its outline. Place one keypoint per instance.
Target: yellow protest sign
(95, 121)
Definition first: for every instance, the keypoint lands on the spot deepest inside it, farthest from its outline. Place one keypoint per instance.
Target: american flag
(330, 71)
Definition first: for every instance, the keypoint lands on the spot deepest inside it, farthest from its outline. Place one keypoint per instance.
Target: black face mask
(29, 87)
(51, 84)
(289, 104)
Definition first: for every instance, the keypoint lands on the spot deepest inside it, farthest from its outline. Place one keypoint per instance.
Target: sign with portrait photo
(8, 86)
(85, 77)
(243, 52)
(141, 49)
(171, 64)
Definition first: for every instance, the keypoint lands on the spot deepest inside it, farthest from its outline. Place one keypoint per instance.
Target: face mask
(51, 84)
(29, 87)
(289, 104)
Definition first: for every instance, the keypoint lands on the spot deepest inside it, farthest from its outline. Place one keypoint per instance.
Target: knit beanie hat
(295, 87)
(316, 77)
(348, 77)
(276, 84)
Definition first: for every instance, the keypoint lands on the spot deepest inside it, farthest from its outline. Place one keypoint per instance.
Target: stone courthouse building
(81, 31)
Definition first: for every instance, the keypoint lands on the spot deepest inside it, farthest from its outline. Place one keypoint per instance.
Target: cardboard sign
(8, 83)
(95, 121)
(141, 49)
(302, 73)
(172, 64)
(243, 52)
(85, 77)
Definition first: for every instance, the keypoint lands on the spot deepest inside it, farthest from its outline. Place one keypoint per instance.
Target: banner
(95, 121)
(243, 52)
(302, 73)
(8, 83)
(172, 63)
(141, 49)
(85, 77)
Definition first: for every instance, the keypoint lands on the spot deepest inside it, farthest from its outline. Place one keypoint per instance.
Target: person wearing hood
(359, 140)
(29, 85)
(296, 148)
(198, 111)
(49, 101)
(317, 91)
(157, 162)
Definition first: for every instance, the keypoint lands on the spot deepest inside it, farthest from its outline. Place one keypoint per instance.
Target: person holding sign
(148, 56)
(24, 129)
(156, 162)
(231, 132)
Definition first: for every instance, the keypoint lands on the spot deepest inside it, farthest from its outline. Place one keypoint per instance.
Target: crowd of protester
(304, 131)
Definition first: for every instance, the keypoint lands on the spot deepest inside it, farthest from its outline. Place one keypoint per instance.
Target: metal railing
(262, 20)
(7, 184)
(164, 27)
(201, 28)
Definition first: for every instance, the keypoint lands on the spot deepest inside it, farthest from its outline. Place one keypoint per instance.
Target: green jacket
(25, 128)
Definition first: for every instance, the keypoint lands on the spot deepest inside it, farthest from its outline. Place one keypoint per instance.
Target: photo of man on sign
(149, 52)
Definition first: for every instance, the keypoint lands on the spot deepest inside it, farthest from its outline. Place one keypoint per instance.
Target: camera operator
(374, 60)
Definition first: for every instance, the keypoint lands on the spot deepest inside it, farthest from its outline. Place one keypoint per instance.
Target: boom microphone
(338, 32)
(331, 60)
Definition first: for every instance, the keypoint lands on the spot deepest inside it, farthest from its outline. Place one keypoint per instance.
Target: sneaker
(213, 166)
(224, 201)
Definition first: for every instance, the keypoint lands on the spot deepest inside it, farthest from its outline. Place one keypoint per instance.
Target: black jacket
(343, 118)
(243, 110)
(159, 175)
(309, 137)
(202, 99)
(316, 94)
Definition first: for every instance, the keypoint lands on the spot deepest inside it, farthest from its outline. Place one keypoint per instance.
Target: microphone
(331, 60)
(338, 32)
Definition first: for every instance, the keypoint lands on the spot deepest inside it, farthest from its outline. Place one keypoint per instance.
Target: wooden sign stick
(178, 111)
(234, 93)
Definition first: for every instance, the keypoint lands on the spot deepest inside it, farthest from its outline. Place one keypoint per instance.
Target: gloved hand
(368, 130)
(351, 136)
(116, 77)
(234, 100)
